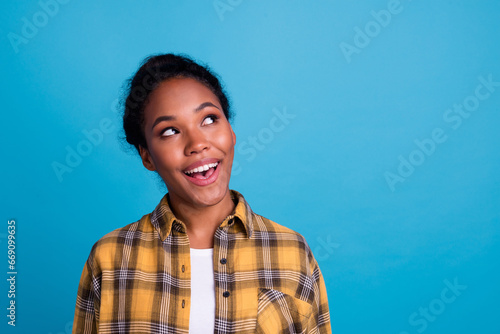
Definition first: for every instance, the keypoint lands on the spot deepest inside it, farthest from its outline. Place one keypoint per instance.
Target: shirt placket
(222, 271)
(181, 272)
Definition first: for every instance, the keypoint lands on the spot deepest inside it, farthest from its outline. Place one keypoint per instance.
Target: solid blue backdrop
(370, 127)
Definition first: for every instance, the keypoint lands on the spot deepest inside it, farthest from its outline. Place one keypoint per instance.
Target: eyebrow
(171, 118)
(204, 105)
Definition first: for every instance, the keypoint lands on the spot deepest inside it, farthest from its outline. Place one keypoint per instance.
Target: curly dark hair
(153, 71)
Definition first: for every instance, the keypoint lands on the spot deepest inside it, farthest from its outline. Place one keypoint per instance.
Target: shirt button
(226, 294)
(183, 303)
(223, 261)
(183, 268)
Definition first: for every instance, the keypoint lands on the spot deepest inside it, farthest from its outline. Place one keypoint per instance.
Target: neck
(202, 221)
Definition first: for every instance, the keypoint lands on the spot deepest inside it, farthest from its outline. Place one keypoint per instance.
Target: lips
(203, 172)
(202, 168)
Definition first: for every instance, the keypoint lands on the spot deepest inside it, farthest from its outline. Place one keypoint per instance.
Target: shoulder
(106, 249)
(281, 235)
(260, 226)
(264, 224)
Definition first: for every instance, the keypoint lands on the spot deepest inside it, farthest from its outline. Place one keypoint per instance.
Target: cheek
(226, 141)
(168, 156)
(226, 144)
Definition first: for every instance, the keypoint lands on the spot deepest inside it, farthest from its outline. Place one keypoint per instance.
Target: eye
(210, 119)
(169, 132)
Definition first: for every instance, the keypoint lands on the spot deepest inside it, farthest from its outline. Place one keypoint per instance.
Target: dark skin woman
(202, 261)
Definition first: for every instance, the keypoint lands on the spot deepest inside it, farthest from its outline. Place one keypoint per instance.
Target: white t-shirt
(202, 312)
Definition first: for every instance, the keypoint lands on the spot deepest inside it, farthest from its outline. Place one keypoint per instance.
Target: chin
(209, 197)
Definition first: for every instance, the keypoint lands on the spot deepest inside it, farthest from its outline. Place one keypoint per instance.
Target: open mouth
(202, 172)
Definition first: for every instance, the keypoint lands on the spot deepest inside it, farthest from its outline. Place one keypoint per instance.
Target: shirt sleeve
(319, 322)
(87, 301)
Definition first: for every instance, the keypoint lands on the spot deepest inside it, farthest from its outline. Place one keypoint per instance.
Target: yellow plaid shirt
(137, 278)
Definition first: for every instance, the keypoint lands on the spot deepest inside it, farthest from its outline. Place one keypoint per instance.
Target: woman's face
(190, 142)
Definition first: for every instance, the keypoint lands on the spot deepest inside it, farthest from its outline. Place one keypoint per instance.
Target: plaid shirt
(137, 278)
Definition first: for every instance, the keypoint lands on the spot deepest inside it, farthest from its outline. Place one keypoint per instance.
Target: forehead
(177, 92)
(178, 97)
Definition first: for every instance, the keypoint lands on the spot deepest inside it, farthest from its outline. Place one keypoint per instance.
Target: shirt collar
(164, 220)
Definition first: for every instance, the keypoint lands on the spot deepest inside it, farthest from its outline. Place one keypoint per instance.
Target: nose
(196, 142)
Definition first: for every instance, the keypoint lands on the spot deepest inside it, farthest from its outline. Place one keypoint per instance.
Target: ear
(147, 160)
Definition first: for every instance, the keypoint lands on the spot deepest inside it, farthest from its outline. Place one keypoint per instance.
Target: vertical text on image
(12, 271)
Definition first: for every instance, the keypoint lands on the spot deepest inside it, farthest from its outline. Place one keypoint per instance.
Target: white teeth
(202, 168)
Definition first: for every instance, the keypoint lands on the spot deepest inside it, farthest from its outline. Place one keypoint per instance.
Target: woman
(202, 261)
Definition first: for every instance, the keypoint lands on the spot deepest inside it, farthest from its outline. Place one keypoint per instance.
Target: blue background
(387, 249)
